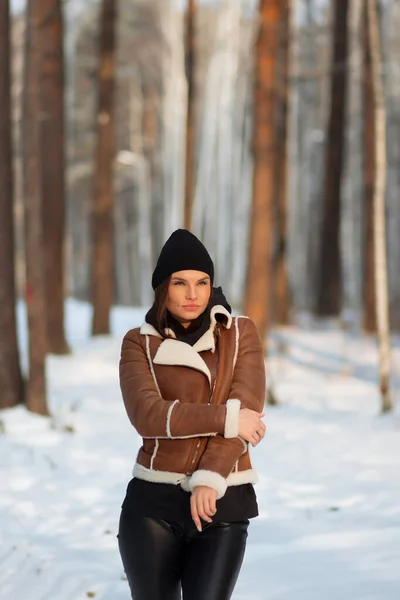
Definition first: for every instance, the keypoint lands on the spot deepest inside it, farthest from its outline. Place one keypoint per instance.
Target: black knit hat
(182, 251)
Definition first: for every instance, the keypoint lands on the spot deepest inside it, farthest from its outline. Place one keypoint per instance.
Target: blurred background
(271, 129)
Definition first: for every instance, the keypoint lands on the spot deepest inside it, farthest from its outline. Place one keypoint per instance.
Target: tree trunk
(11, 386)
(259, 265)
(191, 105)
(368, 292)
(379, 198)
(102, 215)
(329, 280)
(151, 137)
(53, 170)
(280, 287)
(35, 292)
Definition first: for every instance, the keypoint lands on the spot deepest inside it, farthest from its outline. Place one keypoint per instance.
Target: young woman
(193, 383)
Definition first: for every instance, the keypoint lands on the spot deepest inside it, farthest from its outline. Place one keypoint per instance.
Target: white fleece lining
(147, 329)
(231, 429)
(171, 408)
(237, 478)
(142, 472)
(206, 342)
(236, 343)
(174, 352)
(220, 310)
(151, 363)
(210, 479)
(154, 453)
(247, 476)
(179, 437)
(245, 444)
(168, 332)
(219, 483)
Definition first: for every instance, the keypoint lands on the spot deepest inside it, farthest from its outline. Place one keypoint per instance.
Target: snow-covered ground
(329, 490)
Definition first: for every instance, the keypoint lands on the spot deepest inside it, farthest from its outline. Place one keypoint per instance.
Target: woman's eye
(178, 283)
(203, 283)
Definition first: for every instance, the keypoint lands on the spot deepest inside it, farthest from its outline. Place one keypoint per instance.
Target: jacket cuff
(210, 479)
(231, 429)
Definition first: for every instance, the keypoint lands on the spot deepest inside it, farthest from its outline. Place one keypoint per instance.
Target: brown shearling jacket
(184, 401)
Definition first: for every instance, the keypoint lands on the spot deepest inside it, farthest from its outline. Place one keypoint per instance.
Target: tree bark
(102, 214)
(191, 105)
(35, 292)
(53, 170)
(280, 287)
(368, 291)
(329, 280)
(259, 262)
(151, 137)
(11, 385)
(379, 199)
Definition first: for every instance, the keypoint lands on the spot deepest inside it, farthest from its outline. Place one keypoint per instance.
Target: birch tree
(35, 291)
(11, 388)
(379, 196)
(191, 105)
(102, 212)
(369, 144)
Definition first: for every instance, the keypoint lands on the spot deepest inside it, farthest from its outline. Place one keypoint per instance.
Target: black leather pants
(163, 558)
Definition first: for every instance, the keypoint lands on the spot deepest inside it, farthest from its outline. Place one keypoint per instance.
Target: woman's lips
(191, 307)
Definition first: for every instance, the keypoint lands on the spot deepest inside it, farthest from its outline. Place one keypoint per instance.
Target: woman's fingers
(213, 504)
(194, 511)
(198, 509)
(209, 505)
(203, 505)
(250, 424)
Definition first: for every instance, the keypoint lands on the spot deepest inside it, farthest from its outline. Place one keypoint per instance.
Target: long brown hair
(159, 308)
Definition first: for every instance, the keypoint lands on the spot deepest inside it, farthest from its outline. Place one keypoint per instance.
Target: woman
(193, 383)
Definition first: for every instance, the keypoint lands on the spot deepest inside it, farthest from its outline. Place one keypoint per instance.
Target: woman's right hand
(251, 428)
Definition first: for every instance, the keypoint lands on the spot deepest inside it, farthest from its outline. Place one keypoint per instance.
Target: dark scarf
(190, 335)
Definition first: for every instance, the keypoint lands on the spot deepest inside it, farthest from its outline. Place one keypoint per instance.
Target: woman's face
(188, 295)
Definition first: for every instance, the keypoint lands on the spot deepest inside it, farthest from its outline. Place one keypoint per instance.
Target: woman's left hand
(203, 504)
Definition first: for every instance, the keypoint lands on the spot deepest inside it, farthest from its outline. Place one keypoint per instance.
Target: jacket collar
(177, 353)
(206, 342)
(174, 352)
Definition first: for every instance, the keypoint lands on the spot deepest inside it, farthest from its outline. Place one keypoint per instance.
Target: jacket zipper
(208, 402)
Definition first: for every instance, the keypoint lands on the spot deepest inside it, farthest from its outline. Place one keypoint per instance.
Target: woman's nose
(191, 292)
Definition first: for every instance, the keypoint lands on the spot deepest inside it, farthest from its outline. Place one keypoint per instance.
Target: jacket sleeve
(248, 390)
(149, 413)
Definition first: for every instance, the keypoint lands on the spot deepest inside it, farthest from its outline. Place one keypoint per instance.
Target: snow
(329, 469)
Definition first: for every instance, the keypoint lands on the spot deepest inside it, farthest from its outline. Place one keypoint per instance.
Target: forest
(270, 129)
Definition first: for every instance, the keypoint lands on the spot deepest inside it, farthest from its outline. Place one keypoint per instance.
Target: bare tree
(11, 386)
(35, 292)
(329, 280)
(368, 292)
(379, 191)
(280, 287)
(102, 213)
(53, 170)
(259, 266)
(191, 104)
